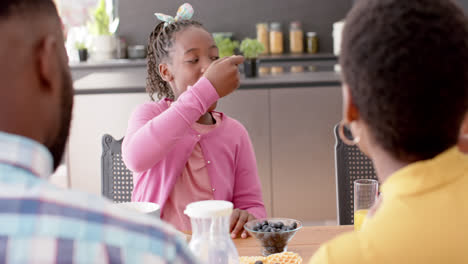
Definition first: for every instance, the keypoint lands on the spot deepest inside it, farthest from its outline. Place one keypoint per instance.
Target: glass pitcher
(211, 241)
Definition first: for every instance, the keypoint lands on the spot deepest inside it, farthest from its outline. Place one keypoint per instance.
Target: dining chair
(117, 180)
(350, 165)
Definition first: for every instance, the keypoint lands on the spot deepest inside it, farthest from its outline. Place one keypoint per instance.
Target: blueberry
(258, 262)
(279, 225)
(258, 225)
(265, 223)
(294, 225)
(268, 229)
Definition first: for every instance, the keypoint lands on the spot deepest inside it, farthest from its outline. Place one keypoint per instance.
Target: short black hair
(9, 8)
(406, 63)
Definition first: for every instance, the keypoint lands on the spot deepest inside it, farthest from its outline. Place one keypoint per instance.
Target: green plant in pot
(104, 44)
(251, 48)
(101, 20)
(225, 45)
(82, 51)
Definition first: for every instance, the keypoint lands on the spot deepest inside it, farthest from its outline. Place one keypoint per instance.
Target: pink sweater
(160, 139)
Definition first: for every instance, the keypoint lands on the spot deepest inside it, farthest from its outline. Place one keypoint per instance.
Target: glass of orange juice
(365, 195)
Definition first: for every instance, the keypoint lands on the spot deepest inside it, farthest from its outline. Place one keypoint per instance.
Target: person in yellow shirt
(405, 96)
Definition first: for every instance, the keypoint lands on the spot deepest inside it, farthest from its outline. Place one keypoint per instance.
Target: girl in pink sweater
(179, 148)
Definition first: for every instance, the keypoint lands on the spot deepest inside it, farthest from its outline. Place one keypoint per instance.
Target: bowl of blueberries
(273, 234)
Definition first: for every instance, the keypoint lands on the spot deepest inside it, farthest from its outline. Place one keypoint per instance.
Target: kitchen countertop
(299, 57)
(135, 82)
(267, 60)
(108, 64)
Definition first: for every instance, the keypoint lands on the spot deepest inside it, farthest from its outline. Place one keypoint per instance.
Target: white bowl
(148, 208)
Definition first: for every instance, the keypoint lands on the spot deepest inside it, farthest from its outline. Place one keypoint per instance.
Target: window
(77, 13)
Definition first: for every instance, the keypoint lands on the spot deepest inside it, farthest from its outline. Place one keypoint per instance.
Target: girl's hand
(238, 219)
(224, 74)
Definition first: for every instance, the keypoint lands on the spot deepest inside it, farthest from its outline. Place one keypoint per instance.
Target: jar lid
(296, 25)
(311, 34)
(207, 209)
(275, 26)
(338, 25)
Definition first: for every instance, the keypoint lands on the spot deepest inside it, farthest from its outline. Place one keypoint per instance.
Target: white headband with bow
(185, 12)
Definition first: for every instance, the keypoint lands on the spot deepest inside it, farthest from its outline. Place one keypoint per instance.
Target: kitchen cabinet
(94, 116)
(302, 152)
(291, 129)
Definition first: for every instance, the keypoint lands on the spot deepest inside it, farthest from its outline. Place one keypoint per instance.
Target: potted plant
(104, 44)
(82, 51)
(251, 48)
(225, 45)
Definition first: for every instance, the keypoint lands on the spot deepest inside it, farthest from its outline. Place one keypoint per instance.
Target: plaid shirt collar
(25, 153)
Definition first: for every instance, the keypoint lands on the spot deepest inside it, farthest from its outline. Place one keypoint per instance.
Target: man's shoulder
(89, 219)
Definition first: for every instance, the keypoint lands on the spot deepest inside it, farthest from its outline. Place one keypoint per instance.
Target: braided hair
(160, 40)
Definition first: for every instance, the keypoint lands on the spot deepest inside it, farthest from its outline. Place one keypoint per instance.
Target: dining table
(306, 241)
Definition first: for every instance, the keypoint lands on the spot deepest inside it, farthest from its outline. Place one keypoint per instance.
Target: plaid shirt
(40, 223)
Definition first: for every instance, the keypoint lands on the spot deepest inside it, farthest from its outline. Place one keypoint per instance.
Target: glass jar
(211, 242)
(262, 71)
(312, 68)
(262, 36)
(121, 48)
(297, 69)
(296, 37)
(276, 38)
(312, 42)
(276, 70)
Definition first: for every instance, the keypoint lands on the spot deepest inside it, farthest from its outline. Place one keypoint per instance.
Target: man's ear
(350, 111)
(463, 140)
(48, 64)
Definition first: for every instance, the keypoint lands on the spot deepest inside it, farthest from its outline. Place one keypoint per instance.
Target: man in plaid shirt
(38, 222)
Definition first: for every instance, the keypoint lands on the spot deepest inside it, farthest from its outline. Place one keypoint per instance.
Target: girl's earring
(342, 133)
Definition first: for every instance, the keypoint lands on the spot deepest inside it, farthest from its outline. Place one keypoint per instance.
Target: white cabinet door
(303, 171)
(94, 116)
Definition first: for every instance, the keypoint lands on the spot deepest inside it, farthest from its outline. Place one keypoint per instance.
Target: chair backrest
(117, 180)
(350, 165)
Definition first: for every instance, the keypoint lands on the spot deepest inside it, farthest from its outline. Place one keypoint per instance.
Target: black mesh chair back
(350, 165)
(117, 180)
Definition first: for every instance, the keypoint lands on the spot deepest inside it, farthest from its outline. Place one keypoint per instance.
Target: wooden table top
(305, 242)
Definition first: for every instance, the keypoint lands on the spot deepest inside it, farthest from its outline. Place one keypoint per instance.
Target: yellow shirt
(423, 218)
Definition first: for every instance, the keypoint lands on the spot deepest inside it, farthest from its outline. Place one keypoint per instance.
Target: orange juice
(359, 218)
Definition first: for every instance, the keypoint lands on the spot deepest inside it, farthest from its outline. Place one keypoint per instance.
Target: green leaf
(80, 45)
(101, 20)
(226, 46)
(251, 48)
